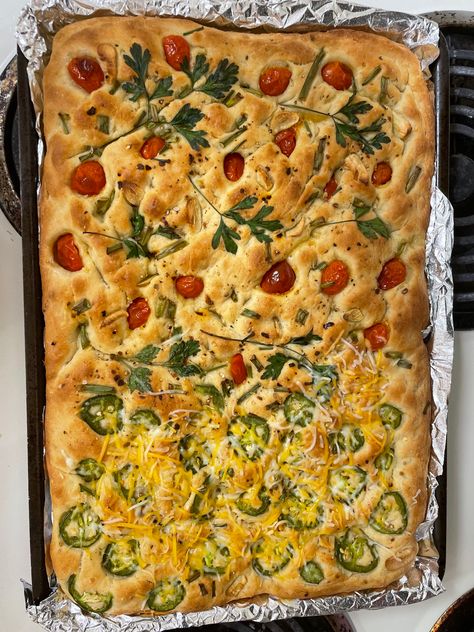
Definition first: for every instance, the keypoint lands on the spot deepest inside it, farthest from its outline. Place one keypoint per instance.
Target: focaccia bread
(232, 250)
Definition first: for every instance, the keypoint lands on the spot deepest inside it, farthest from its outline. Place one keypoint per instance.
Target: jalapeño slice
(145, 417)
(192, 453)
(121, 558)
(301, 514)
(347, 482)
(90, 470)
(80, 526)
(252, 434)
(271, 555)
(93, 602)
(384, 461)
(349, 437)
(210, 558)
(390, 415)
(298, 409)
(253, 505)
(354, 552)
(311, 572)
(390, 516)
(166, 595)
(102, 413)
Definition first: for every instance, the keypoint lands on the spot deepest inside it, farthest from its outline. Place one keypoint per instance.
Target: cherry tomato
(274, 81)
(88, 178)
(67, 254)
(330, 188)
(176, 50)
(393, 273)
(337, 75)
(334, 278)
(152, 147)
(377, 336)
(279, 279)
(86, 72)
(238, 369)
(286, 140)
(189, 286)
(234, 166)
(138, 312)
(381, 174)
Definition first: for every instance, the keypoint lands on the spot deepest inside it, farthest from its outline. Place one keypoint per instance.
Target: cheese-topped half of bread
(232, 254)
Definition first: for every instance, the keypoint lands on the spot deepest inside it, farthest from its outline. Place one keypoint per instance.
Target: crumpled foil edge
(39, 21)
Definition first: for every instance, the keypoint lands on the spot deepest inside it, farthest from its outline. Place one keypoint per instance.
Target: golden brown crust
(166, 528)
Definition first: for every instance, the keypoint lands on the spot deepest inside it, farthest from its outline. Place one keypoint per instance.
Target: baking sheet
(37, 25)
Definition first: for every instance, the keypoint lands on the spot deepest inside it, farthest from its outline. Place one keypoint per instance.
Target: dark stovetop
(461, 191)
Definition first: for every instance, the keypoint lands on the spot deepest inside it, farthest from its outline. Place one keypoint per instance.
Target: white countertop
(14, 546)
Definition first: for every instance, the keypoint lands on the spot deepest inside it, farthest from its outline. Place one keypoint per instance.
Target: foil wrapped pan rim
(38, 23)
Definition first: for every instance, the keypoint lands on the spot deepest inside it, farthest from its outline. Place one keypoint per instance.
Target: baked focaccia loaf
(232, 248)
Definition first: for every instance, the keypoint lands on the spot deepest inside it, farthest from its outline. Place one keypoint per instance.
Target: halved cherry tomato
(152, 147)
(279, 279)
(189, 286)
(238, 370)
(377, 336)
(334, 278)
(176, 50)
(67, 254)
(234, 166)
(393, 273)
(381, 174)
(86, 72)
(88, 178)
(274, 81)
(286, 140)
(330, 188)
(138, 312)
(337, 75)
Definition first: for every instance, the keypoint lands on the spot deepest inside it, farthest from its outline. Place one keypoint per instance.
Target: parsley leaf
(147, 354)
(134, 248)
(304, 340)
(162, 88)
(359, 135)
(349, 129)
(373, 228)
(258, 224)
(180, 353)
(219, 82)
(213, 393)
(275, 365)
(184, 121)
(139, 380)
(228, 236)
(199, 69)
(138, 61)
(137, 221)
(351, 110)
(325, 371)
(245, 203)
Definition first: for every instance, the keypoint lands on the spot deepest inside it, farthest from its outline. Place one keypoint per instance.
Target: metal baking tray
(35, 375)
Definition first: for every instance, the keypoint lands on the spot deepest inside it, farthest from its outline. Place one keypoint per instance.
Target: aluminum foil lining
(38, 23)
